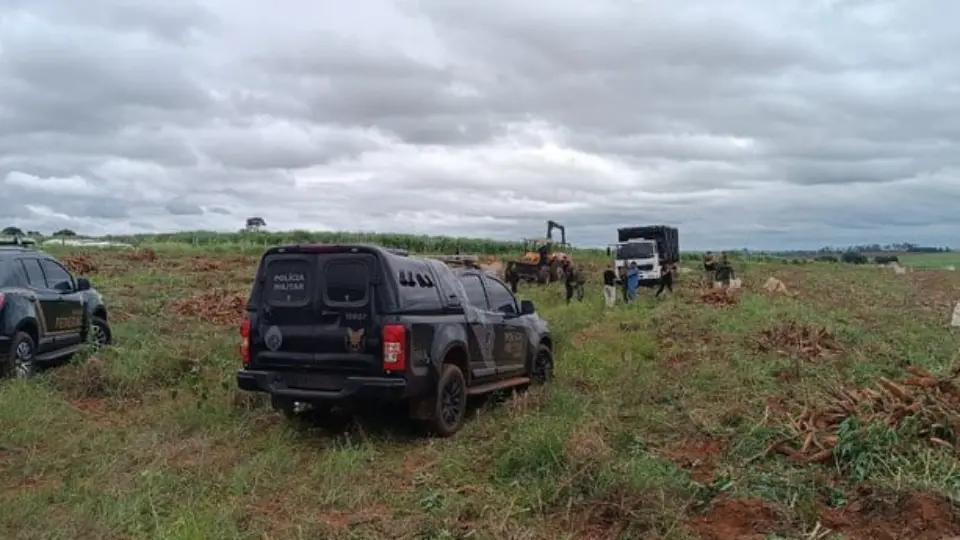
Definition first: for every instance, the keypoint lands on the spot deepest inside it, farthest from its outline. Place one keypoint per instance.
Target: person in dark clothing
(609, 287)
(511, 276)
(724, 271)
(571, 279)
(624, 285)
(544, 252)
(666, 279)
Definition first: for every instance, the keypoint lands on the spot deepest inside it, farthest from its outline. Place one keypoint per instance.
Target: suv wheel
(450, 402)
(542, 371)
(100, 334)
(21, 361)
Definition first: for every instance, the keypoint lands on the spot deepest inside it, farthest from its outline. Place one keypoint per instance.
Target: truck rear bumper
(310, 387)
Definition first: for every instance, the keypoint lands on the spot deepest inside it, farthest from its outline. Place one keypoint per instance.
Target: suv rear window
(347, 281)
(288, 282)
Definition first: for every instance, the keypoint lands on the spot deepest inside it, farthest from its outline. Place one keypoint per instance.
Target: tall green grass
(414, 243)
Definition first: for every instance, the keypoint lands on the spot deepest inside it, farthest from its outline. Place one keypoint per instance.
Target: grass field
(776, 416)
(931, 260)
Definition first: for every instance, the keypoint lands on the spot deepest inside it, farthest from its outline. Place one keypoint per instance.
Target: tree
(853, 257)
(12, 231)
(254, 224)
(64, 232)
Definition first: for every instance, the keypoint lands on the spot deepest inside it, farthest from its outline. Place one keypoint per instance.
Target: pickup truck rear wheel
(449, 403)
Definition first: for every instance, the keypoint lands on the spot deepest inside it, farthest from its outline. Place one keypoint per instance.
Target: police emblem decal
(273, 338)
(355, 340)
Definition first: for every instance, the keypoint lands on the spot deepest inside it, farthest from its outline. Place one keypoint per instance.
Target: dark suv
(45, 313)
(329, 326)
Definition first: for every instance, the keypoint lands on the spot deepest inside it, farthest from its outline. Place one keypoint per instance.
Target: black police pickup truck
(333, 325)
(45, 313)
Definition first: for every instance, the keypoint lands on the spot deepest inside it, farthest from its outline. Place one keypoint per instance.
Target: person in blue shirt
(633, 281)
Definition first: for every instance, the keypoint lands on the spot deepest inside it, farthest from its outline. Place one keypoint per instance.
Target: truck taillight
(394, 347)
(245, 341)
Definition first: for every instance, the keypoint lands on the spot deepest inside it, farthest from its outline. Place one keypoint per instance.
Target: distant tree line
(17, 231)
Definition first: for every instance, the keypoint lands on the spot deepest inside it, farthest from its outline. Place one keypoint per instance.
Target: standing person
(709, 268)
(666, 279)
(544, 256)
(609, 286)
(633, 281)
(623, 284)
(512, 277)
(571, 278)
(724, 271)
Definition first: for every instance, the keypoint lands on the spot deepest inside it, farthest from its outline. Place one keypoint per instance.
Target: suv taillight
(245, 341)
(394, 347)
(1, 300)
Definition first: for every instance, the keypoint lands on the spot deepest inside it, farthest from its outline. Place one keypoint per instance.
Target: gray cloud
(180, 207)
(750, 123)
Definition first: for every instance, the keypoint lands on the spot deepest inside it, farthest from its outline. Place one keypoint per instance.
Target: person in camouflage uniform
(724, 272)
(709, 268)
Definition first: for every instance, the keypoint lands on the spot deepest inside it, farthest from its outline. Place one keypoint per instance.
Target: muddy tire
(541, 369)
(20, 362)
(99, 335)
(449, 404)
(543, 275)
(556, 272)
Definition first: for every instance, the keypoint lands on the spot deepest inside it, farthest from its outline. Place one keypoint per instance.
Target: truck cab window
(475, 294)
(31, 268)
(501, 299)
(635, 250)
(57, 276)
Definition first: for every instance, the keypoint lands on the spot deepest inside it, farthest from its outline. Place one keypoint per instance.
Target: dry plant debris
(216, 307)
(934, 402)
(140, 255)
(798, 339)
(720, 297)
(79, 263)
(211, 265)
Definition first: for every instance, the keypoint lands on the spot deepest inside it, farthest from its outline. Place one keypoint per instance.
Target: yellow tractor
(530, 267)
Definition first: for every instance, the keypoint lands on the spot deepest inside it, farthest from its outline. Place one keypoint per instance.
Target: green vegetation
(248, 240)
(677, 419)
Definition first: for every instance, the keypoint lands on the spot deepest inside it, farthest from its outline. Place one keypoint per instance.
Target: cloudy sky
(794, 123)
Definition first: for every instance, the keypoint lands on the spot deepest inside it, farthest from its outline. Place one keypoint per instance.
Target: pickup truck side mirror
(609, 252)
(527, 307)
(83, 284)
